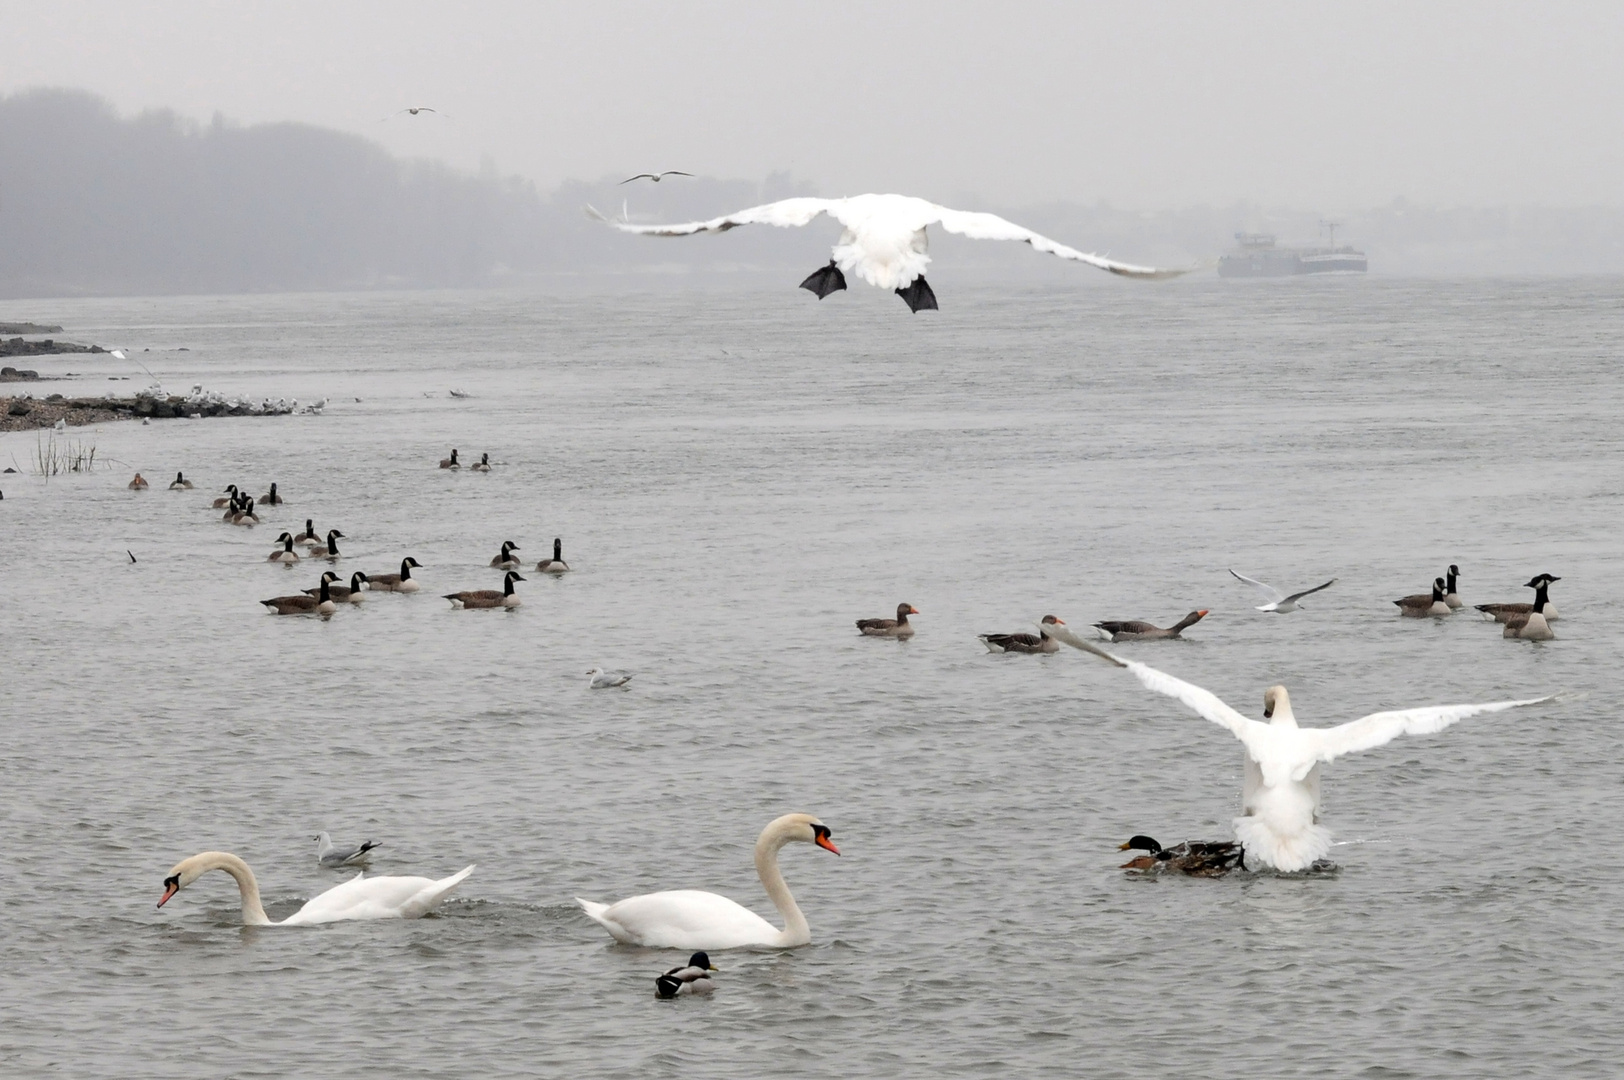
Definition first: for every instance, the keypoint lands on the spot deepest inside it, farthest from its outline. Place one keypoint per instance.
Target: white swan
(360, 897)
(1277, 601)
(884, 242)
(1279, 822)
(690, 919)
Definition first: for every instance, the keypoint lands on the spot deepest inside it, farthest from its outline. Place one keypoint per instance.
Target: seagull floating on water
(656, 177)
(1279, 822)
(885, 242)
(603, 680)
(1277, 601)
(329, 855)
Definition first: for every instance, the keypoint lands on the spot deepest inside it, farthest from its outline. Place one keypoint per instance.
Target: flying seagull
(1279, 602)
(656, 177)
(414, 112)
(1279, 822)
(885, 242)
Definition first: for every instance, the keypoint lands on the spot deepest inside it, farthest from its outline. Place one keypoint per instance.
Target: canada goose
(1501, 612)
(344, 595)
(556, 564)
(1449, 588)
(692, 978)
(285, 553)
(139, 483)
(483, 464)
(309, 536)
(1532, 626)
(450, 462)
(488, 598)
(506, 561)
(1039, 642)
(401, 582)
(226, 500)
(1212, 858)
(329, 550)
(1134, 630)
(271, 498)
(898, 627)
(180, 484)
(320, 604)
(245, 514)
(1424, 605)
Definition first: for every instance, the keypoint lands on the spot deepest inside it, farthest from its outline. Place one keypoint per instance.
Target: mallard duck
(895, 628)
(450, 462)
(691, 979)
(1039, 642)
(320, 604)
(401, 582)
(506, 561)
(1198, 858)
(180, 484)
(488, 598)
(1501, 612)
(139, 483)
(1449, 587)
(226, 500)
(556, 564)
(1532, 626)
(351, 594)
(1425, 605)
(483, 464)
(285, 553)
(1134, 630)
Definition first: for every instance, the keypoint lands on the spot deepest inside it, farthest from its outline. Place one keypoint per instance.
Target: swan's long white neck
(773, 837)
(253, 912)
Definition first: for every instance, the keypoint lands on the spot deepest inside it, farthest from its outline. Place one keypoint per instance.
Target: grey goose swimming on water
(1039, 642)
(1136, 630)
(898, 627)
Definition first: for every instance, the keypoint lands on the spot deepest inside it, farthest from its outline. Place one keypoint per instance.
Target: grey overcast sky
(1147, 105)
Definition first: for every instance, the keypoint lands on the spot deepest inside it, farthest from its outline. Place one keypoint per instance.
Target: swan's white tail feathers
(1294, 847)
(594, 910)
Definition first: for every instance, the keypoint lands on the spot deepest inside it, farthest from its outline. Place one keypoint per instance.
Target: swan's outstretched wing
(1202, 701)
(1296, 596)
(1271, 594)
(1372, 731)
(980, 226)
(787, 213)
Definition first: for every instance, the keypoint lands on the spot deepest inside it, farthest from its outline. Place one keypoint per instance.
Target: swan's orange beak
(170, 889)
(825, 843)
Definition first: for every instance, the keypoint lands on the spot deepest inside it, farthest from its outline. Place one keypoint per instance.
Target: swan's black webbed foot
(825, 280)
(918, 296)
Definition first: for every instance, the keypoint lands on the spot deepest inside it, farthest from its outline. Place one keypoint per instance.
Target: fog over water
(736, 477)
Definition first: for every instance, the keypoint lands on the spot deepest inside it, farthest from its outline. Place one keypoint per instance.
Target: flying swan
(885, 242)
(690, 919)
(360, 897)
(1279, 824)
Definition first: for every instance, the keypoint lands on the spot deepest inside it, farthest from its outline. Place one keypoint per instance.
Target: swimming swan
(690, 919)
(1279, 822)
(884, 242)
(360, 897)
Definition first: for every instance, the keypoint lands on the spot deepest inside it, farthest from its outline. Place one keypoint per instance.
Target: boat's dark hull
(1290, 262)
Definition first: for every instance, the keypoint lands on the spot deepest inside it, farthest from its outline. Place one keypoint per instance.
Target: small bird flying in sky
(656, 177)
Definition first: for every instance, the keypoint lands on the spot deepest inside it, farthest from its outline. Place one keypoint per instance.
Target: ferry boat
(1258, 256)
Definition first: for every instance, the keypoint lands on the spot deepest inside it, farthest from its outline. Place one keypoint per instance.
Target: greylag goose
(1501, 612)
(1134, 630)
(898, 627)
(1039, 642)
(1424, 605)
(488, 598)
(139, 483)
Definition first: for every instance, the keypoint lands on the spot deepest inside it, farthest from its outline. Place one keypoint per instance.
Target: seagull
(656, 177)
(884, 242)
(328, 855)
(414, 112)
(1279, 822)
(1279, 602)
(603, 680)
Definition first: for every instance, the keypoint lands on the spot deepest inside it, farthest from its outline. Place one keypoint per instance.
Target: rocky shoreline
(17, 346)
(28, 413)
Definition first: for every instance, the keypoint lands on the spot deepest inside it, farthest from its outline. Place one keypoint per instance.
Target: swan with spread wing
(884, 242)
(1279, 823)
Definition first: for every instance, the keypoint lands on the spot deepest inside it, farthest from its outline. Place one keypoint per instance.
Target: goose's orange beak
(826, 843)
(170, 889)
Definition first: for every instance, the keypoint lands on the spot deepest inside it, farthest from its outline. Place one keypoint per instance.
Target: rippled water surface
(736, 477)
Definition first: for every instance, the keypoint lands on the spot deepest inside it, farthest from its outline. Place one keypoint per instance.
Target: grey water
(736, 477)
